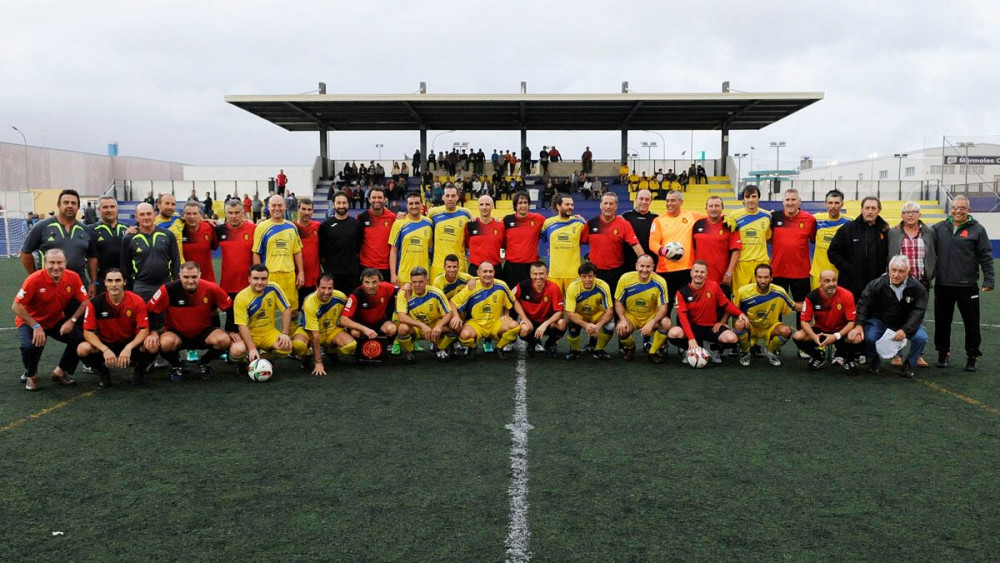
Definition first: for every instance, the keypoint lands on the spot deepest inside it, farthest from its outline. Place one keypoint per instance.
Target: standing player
(609, 235)
(410, 242)
(717, 245)
(256, 309)
(235, 238)
(589, 309)
(340, 239)
(63, 232)
(114, 329)
(309, 235)
(276, 244)
(565, 234)
(149, 256)
(641, 304)
(190, 304)
(827, 225)
(199, 240)
(835, 315)
(168, 220)
(106, 236)
(486, 307)
(753, 226)
(484, 236)
(449, 223)
(702, 312)
(676, 225)
(764, 304)
(376, 223)
(424, 314)
(523, 230)
(319, 326)
(641, 219)
(370, 307)
(542, 303)
(452, 280)
(792, 230)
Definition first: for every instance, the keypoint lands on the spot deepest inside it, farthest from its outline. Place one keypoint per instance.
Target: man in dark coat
(860, 249)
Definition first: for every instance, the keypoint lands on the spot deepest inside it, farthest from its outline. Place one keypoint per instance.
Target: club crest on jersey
(802, 225)
(839, 306)
(532, 222)
(496, 232)
(721, 232)
(246, 236)
(204, 300)
(69, 289)
(385, 223)
(684, 220)
(545, 299)
(128, 312)
(708, 294)
(614, 231)
(206, 237)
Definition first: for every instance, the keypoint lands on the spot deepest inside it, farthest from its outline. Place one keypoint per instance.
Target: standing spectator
(525, 161)
(106, 236)
(247, 206)
(702, 177)
(89, 214)
(543, 160)
(623, 173)
(291, 206)
(64, 232)
(554, 155)
(209, 209)
(588, 161)
(256, 206)
(281, 181)
(963, 248)
(860, 249)
(641, 219)
(495, 159)
(42, 307)
(481, 161)
(416, 164)
(431, 162)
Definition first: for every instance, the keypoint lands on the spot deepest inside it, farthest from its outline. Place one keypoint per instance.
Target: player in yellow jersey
(410, 242)
(255, 310)
(168, 220)
(764, 304)
(276, 244)
(423, 313)
(449, 223)
(641, 304)
(453, 279)
(827, 225)
(588, 306)
(754, 226)
(486, 306)
(319, 325)
(565, 233)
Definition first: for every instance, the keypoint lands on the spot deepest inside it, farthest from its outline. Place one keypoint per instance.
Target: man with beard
(63, 232)
(376, 223)
(340, 240)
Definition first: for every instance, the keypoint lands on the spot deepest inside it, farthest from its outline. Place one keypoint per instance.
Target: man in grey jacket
(963, 248)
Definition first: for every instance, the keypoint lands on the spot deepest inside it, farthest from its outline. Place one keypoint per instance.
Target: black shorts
(515, 273)
(705, 334)
(305, 292)
(797, 288)
(196, 342)
(612, 276)
(230, 317)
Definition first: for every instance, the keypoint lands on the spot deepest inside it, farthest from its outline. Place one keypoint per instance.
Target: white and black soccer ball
(697, 358)
(673, 251)
(260, 370)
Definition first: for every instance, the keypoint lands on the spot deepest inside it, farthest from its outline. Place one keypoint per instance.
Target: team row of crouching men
(455, 313)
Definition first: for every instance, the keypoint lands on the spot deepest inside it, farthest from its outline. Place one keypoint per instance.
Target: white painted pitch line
(518, 532)
(981, 325)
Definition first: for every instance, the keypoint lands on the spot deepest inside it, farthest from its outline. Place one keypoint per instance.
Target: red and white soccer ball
(673, 251)
(697, 358)
(260, 370)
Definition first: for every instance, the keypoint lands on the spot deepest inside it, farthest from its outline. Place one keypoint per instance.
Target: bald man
(276, 244)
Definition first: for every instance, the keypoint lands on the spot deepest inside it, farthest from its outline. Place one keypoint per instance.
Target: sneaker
(851, 368)
(104, 379)
(417, 347)
(192, 356)
(628, 354)
(442, 355)
(589, 348)
(24, 376)
(31, 383)
(862, 360)
(970, 364)
(160, 363)
(207, 372)
(838, 361)
(773, 358)
(225, 358)
(88, 369)
(552, 350)
(572, 355)
(655, 358)
(501, 353)
(942, 361)
(745, 359)
(757, 351)
(907, 370)
(716, 357)
(409, 358)
(816, 363)
(804, 356)
(176, 375)
(646, 345)
(602, 355)
(488, 346)
(396, 350)
(539, 348)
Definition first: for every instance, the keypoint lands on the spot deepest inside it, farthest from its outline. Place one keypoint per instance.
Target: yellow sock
(299, 348)
(405, 342)
(603, 338)
(659, 337)
(445, 342)
(744, 338)
(349, 348)
(470, 343)
(574, 341)
(775, 343)
(508, 337)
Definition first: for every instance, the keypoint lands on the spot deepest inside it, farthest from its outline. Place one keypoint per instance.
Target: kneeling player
(319, 326)
(114, 328)
(588, 309)
(542, 302)
(486, 305)
(369, 308)
(834, 312)
(453, 279)
(641, 303)
(256, 309)
(425, 313)
(764, 304)
(699, 305)
(191, 304)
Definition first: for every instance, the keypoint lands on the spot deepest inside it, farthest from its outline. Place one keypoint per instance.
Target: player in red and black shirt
(199, 240)
(309, 234)
(717, 244)
(791, 232)
(542, 303)
(190, 304)
(522, 230)
(369, 308)
(831, 309)
(49, 305)
(699, 306)
(376, 223)
(236, 241)
(609, 235)
(484, 236)
(114, 329)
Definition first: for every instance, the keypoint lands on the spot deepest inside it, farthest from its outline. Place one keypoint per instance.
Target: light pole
(965, 146)
(25, 139)
(871, 173)
(831, 164)
(649, 149)
(777, 155)
(739, 165)
(899, 169)
(752, 148)
(663, 142)
(379, 147)
(438, 135)
(634, 154)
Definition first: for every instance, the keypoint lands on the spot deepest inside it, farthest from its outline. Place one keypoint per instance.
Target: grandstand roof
(501, 112)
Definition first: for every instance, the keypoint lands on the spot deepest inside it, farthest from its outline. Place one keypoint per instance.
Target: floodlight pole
(25, 140)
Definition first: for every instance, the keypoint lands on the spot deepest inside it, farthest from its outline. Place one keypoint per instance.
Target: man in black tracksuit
(860, 249)
(963, 248)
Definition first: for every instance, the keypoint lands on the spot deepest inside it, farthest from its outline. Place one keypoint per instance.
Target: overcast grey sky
(152, 75)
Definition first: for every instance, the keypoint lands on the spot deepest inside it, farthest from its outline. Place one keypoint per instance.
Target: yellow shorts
(638, 322)
(265, 340)
(286, 281)
(765, 333)
(593, 317)
(325, 338)
(563, 283)
(743, 274)
(485, 330)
